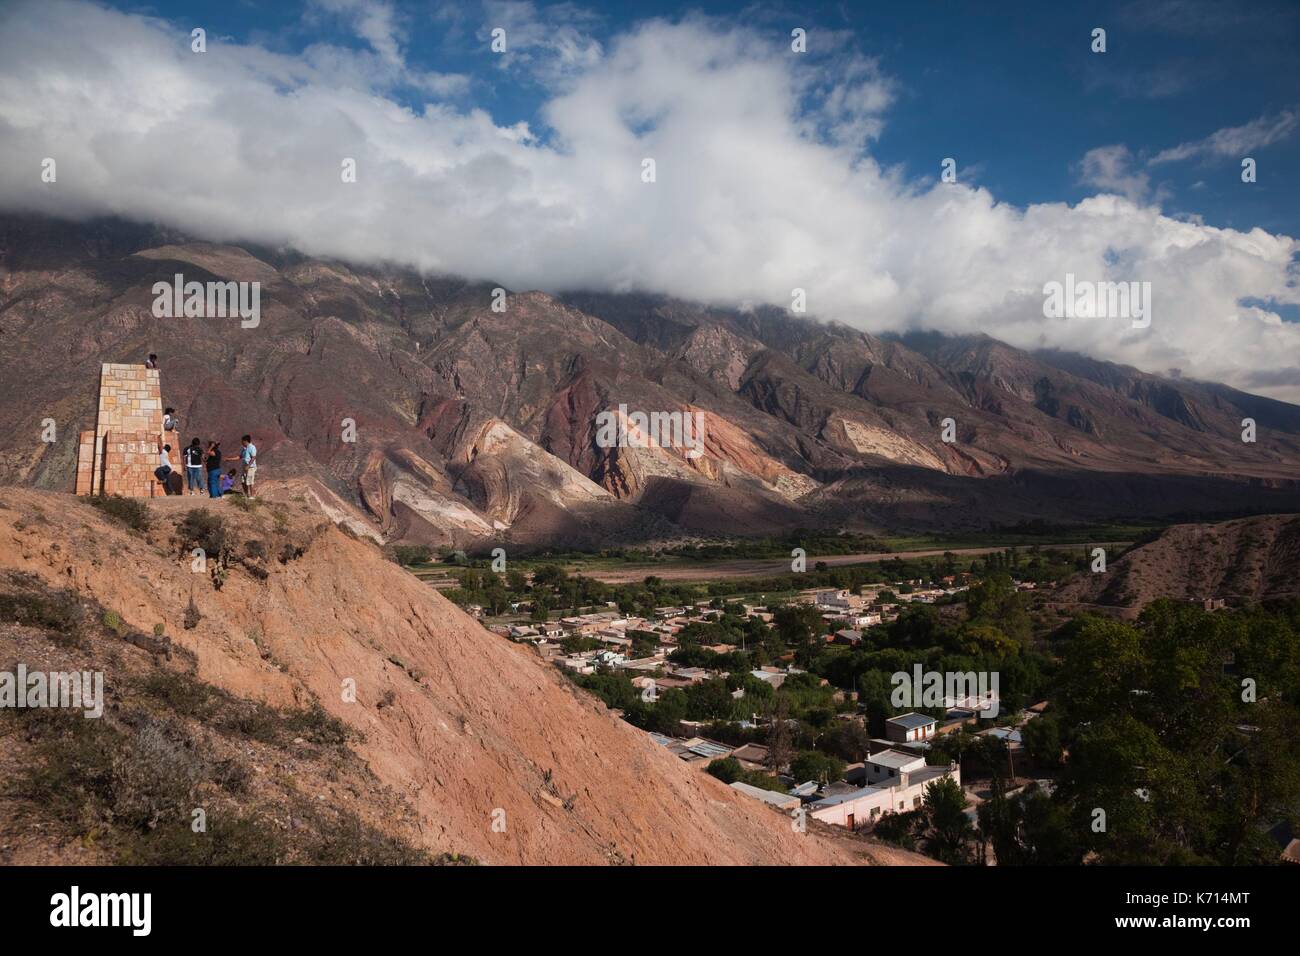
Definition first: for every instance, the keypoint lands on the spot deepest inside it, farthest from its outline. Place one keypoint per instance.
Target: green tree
(799, 626)
(813, 765)
(948, 832)
(995, 602)
(667, 712)
(1042, 740)
(549, 576)
(848, 740)
(726, 769)
(709, 700)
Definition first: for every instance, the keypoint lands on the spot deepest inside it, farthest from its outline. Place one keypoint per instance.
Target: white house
(908, 728)
(900, 782)
(838, 599)
(891, 767)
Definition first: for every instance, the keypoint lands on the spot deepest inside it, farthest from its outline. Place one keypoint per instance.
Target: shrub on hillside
(291, 552)
(348, 841)
(203, 529)
(154, 779)
(28, 602)
(128, 511)
(189, 697)
(131, 783)
(231, 840)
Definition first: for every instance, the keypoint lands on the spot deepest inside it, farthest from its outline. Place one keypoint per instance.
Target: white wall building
(910, 728)
(902, 779)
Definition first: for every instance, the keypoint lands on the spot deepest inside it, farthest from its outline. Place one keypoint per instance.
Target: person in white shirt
(164, 470)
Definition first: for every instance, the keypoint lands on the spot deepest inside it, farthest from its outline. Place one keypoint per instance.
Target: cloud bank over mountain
(765, 182)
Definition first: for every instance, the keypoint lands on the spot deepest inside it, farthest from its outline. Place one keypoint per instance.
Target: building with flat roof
(899, 792)
(907, 728)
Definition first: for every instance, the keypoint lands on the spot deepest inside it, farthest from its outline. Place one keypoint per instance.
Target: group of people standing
(200, 460)
(197, 460)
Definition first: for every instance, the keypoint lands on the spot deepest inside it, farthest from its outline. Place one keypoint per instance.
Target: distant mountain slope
(475, 426)
(1242, 562)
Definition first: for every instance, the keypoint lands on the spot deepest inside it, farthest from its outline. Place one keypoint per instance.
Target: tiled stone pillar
(120, 455)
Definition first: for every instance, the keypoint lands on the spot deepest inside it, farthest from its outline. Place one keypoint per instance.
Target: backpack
(193, 457)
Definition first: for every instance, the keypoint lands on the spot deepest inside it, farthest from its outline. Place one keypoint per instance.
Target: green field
(817, 545)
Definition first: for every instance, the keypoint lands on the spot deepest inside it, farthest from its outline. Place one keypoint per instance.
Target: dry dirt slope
(457, 722)
(1244, 562)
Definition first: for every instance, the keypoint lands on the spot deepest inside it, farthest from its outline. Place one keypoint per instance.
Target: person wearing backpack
(194, 468)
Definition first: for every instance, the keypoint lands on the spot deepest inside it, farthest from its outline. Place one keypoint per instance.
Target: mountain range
(475, 427)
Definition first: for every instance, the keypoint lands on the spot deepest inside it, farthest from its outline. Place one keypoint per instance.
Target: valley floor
(685, 570)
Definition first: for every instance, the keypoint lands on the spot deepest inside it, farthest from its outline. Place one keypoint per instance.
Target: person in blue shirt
(247, 455)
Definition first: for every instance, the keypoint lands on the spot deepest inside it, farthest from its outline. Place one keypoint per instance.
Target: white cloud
(755, 194)
(1234, 142)
(551, 46)
(1110, 169)
(374, 22)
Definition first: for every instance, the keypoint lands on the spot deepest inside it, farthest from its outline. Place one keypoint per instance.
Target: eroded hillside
(452, 727)
(1241, 562)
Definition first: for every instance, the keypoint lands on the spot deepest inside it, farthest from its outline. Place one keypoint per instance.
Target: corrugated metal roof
(767, 796)
(707, 749)
(911, 721)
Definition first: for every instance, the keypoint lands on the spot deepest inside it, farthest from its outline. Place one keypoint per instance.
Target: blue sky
(1011, 90)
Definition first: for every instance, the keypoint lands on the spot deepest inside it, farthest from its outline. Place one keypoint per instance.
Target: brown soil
(459, 725)
(1242, 562)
